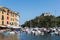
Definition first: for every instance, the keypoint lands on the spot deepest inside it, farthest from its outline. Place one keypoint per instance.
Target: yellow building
(8, 17)
(14, 19)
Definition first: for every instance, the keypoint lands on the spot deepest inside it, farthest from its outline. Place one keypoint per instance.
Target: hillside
(44, 20)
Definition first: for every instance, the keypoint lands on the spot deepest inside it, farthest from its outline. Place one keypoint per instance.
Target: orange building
(8, 17)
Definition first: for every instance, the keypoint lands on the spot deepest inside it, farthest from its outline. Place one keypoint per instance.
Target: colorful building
(9, 17)
(47, 14)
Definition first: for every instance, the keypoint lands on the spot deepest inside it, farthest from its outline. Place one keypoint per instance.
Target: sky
(29, 9)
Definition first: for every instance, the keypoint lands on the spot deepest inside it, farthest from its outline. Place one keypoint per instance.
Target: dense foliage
(43, 21)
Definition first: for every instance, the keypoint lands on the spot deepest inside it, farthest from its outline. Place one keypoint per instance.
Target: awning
(16, 27)
(2, 26)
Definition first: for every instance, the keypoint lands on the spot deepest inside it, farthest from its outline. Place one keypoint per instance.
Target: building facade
(47, 14)
(8, 17)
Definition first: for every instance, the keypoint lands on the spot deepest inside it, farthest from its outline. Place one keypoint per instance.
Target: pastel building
(14, 19)
(47, 14)
(9, 17)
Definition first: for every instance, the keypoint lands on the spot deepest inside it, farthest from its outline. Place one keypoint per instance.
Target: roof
(17, 13)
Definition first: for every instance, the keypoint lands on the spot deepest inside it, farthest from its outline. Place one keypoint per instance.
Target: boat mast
(55, 19)
(30, 24)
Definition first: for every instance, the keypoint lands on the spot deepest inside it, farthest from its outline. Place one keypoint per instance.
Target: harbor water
(25, 36)
(9, 36)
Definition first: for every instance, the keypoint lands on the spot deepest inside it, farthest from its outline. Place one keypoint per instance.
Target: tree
(43, 21)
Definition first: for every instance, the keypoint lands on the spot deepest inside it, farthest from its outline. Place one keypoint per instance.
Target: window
(2, 22)
(11, 19)
(7, 22)
(7, 18)
(2, 17)
(2, 12)
(12, 15)
(7, 13)
(15, 15)
(11, 23)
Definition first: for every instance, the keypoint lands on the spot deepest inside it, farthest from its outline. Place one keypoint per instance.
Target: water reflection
(25, 36)
(8, 36)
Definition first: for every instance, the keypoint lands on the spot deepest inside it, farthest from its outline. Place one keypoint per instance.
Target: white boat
(56, 32)
(36, 33)
(42, 33)
(12, 32)
(39, 32)
(32, 31)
